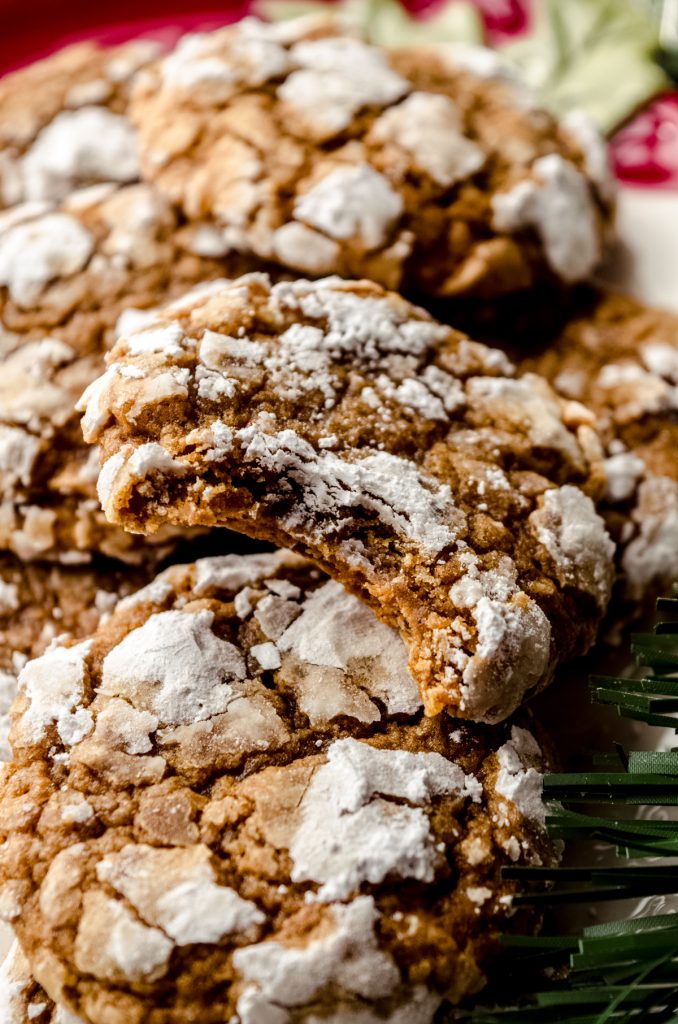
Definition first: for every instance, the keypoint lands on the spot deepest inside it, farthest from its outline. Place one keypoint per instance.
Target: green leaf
(594, 55)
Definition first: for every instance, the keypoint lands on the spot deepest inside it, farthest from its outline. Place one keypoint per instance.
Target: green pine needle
(623, 971)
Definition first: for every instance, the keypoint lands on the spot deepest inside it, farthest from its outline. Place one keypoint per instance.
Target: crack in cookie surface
(337, 418)
(424, 168)
(227, 803)
(64, 123)
(69, 274)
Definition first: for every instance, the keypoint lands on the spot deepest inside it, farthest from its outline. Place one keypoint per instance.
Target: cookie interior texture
(228, 801)
(620, 358)
(336, 418)
(424, 169)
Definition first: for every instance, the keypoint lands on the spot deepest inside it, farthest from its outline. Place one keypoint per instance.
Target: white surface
(646, 264)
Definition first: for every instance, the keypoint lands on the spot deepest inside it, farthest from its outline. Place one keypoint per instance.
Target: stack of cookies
(279, 787)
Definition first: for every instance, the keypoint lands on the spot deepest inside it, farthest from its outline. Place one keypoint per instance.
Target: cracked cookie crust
(620, 359)
(424, 169)
(67, 275)
(227, 804)
(338, 419)
(39, 602)
(64, 124)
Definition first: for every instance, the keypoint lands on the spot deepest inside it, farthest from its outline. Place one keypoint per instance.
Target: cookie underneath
(227, 804)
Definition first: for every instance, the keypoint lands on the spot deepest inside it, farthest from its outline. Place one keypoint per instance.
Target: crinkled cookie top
(64, 124)
(226, 804)
(426, 168)
(410, 462)
(620, 359)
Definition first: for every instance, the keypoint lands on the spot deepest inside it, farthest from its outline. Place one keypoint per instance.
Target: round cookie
(227, 805)
(336, 418)
(620, 359)
(64, 125)
(67, 275)
(423, 168)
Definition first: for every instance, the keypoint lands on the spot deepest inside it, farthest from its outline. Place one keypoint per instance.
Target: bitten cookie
(620, 359)
(227, 805)
(337, 418)
(424, 169)
(66, 276)
(64, 124)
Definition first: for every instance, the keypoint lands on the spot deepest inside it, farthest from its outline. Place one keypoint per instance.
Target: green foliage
(626, 970)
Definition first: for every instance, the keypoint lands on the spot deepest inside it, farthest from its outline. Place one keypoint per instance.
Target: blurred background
(615, 59)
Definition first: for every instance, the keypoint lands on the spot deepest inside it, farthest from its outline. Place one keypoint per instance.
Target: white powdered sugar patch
(479, 60)
(177, 890)
(336, 631)
(512, 654)
(175, 667)
(527, 403)
(651, 557)
(585, 132)
(9, 597)
(575, 537)
(348, 956)
(429, 128)
(54, 686)
(352, 202)
(38, 251)
(392, 488)
(111, 941)
(299, 246)
(15, 978)
(420, 1009)
(18, 452)
(8, 688)
(623, 472)
(218, 63)
(79, 147)
(661, 358)
(233, 572)
(518, 780)
(166, 338)
(557, 204)
(350, 834)
(365, 328)
(336, 78)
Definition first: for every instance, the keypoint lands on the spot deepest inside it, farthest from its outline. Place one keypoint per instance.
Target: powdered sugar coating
(558, 205)
(392, 449)
(621, 359)
(63, 122)
(193, 836)
(65, 273)
(348, 834)
(330, 155)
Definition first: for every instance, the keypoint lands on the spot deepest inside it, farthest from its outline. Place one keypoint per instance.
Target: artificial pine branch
(625, 971)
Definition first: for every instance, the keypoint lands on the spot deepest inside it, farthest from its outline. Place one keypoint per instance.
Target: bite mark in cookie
(409, 461)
